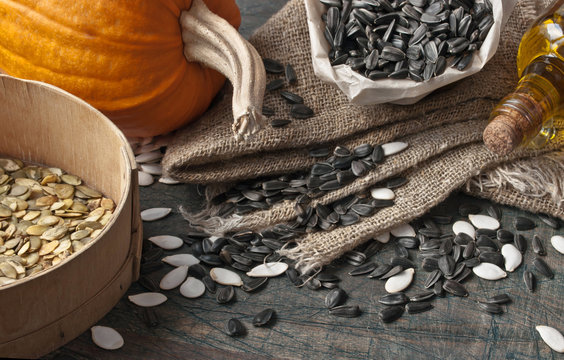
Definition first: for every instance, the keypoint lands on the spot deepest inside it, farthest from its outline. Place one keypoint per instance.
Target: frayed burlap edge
(533, 184)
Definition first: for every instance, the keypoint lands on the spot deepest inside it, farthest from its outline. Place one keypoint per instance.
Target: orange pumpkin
(124, 57)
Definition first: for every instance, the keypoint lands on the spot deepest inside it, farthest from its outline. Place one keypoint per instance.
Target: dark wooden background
(454, 329)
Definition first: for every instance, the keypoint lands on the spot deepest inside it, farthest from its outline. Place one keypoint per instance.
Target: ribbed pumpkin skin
(124, 57)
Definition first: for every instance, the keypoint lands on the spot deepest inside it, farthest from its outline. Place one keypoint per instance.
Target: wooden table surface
(454, 329)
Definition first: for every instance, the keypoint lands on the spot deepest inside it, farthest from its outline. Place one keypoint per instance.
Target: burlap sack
(206, 151)
(445, 148)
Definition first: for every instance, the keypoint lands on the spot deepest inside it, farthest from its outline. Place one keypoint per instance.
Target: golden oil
(534, 113)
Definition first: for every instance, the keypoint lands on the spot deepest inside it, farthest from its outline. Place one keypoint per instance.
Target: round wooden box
(42, 124)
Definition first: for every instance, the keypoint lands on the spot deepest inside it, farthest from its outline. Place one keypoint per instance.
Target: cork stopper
(521, 118)
(501, 135)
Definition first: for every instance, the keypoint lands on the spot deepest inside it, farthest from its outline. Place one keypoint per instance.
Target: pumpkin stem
(212, 41)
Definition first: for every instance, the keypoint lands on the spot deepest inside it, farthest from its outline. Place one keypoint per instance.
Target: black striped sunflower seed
(209, 284)
(225, 294)
(538, 246)
(335, 297)
(235, 327)
(523, 224)
(394, 299)
(263, 317)
(438, 289)
(543, 268)
(498, 299)
(432, 278)
(491, 308)
(278, 123)
(469, 251)
(392, 313)
(529, 280)
(301, 111)
(520, 242)
(272, 66)
(454, 288)
(274, 85)
(418, 307)
(348, 311)
(446, 264)
(254, 284)
(463, 239)
(380, 270)
(363, 269)
(292, 98)
(409, 242)
(422, 296)
(494, 211)
(290, 73)
(505, 236)
(393, 271)
(549, 220)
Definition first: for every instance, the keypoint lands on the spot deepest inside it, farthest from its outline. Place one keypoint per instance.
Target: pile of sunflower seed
(476, 247)
(340, 168)
(298, 110)
(415, 39)
(45, 216)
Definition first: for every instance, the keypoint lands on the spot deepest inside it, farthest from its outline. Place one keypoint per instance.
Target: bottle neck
(536, 97)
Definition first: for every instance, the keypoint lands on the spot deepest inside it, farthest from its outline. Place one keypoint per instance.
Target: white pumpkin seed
(192, 288)
(148, 157)
(147, 299)
(181, 260)
(513, 257)
(167, 242)
(464, 227)
(225, 277)
(552, 337)
(383, 237)
(153, 214)
(270, 269)
(484, 222)
(382, 194)
(145, 179)
(400, 281)
(557, 242)
(489, 271)
(106, 337)
(394, 147)
(174, 278)
(153, 169)
(169, 181)
(403, 230)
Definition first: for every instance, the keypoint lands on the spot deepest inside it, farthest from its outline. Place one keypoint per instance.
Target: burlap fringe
(535, 177)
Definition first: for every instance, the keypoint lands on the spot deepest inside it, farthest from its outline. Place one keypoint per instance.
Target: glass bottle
(534, 113)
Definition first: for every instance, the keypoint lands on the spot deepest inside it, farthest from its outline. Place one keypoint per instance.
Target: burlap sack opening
(206, 151)
(422, 146)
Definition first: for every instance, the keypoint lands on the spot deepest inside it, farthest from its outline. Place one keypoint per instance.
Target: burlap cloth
(443, 131)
